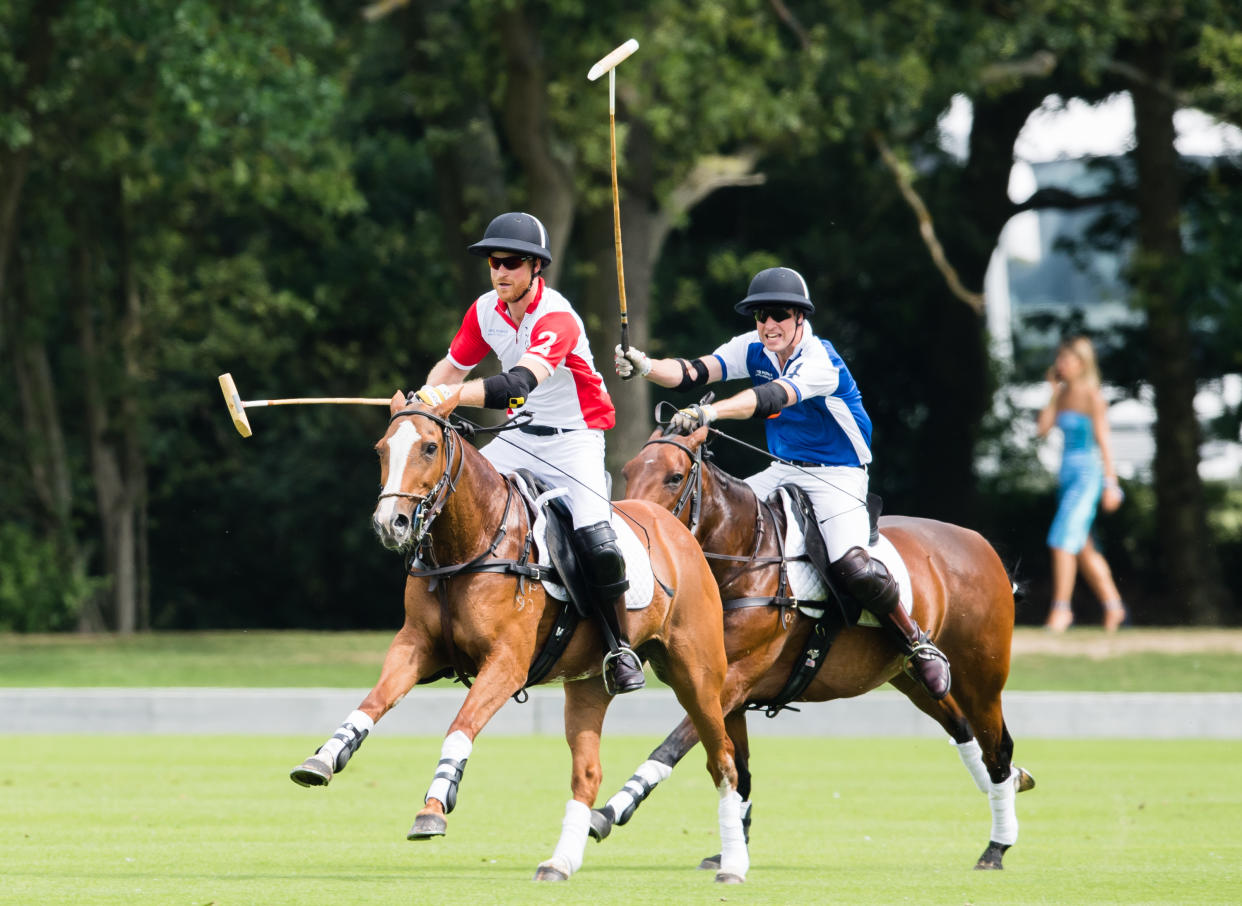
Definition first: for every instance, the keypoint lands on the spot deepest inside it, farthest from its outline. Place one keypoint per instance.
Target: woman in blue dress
(1087, 481)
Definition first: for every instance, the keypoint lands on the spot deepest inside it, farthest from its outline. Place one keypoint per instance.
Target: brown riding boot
(870, 582)
(924, 661)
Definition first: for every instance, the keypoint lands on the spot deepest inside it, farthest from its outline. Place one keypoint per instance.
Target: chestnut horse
(962, 596)
(479, 617)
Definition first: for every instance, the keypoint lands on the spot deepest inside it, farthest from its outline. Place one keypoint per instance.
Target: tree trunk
(1191, 564)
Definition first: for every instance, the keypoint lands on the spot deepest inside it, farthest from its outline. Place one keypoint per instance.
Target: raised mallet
(608, 64)
(238, 406)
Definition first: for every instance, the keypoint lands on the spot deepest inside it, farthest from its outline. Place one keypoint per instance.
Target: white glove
(693, 417)
(432, 396)
(628, 361)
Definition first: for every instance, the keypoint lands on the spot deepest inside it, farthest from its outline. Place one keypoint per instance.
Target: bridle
(692, 493)
(438, 496)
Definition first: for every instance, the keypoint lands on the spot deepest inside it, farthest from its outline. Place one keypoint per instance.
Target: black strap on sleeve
(509, 389)
(700, 374)
(770, 398)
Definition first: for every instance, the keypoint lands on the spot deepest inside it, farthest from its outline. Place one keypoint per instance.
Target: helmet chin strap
(534, 275)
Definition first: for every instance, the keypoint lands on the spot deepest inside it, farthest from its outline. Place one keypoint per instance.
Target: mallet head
(610, 61)
(236, 410)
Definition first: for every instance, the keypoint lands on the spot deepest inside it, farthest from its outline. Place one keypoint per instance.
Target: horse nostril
(401, 522)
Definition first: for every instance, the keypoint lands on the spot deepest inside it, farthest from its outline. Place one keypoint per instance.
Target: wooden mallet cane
(238, 406)
(608, 64)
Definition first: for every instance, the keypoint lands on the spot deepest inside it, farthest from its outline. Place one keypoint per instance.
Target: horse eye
(430, 448)
(675, 478)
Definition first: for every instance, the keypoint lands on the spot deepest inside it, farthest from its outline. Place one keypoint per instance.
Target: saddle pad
(805, 582)
(637, 563)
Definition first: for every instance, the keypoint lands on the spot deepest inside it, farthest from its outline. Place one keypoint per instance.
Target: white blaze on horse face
(399, 447)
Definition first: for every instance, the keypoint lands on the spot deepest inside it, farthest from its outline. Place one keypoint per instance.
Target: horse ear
(658, 432)
(698, 437)
(449, 404)
(397, 403)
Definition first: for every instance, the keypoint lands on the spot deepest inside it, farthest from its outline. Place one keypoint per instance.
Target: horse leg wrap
(734, 858)
(453, 754)
(972, 758)
(1004, 817)
(637, 788)
(346, 740)
(572, 844)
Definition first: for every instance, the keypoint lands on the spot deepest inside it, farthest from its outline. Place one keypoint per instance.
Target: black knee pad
(602, 559)
(868, 580)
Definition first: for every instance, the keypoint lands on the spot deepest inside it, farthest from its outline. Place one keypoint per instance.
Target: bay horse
(962, 596)
(486, 616)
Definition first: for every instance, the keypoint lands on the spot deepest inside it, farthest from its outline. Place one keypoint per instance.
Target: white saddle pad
(805, 582)
(637, 563)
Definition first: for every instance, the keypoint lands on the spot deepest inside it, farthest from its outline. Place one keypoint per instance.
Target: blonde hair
(1082, 348)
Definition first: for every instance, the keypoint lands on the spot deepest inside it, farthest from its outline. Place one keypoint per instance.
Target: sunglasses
(776, 314)
(509, 263)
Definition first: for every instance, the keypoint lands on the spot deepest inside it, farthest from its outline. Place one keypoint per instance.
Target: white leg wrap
(653, 772)
(567, 857)
(1004, 818)
(734, 859)
(972, 757)
(457, 746)
(330, 749)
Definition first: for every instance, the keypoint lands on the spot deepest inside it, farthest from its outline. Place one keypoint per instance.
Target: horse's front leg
(401, 670)
(499, 678)
(585, 704)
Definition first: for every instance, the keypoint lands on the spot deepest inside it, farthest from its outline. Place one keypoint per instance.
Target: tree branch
(791, 21)
(1038, 65)
(926, 228)
(1060, 199)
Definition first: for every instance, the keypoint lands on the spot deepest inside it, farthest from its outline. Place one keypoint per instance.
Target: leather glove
(631, 361)
(432, 396)
(692, 417)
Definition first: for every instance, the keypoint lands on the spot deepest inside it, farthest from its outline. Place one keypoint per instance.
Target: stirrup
(923, 655)
(611, 659)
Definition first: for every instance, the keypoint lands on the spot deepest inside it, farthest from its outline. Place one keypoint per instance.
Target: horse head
(416, 455)
(668, 471)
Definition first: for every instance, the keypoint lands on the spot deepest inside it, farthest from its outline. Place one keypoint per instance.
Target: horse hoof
(601, 824)
(992, 857)
(1023, 781)
(311, 772)
(547, 871)
(728, 877)
(711, 863)
(427, 826)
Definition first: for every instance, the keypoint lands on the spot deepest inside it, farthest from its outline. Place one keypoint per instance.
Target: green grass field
(215, 820)
(1084, 660)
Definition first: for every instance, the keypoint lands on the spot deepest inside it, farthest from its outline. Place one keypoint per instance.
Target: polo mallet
(238, 406)
(608, 64)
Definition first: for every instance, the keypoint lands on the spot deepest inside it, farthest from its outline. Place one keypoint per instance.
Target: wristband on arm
(509, 389)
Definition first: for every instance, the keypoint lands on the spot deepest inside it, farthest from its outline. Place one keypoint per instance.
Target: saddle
(830, 621)
(560, 547)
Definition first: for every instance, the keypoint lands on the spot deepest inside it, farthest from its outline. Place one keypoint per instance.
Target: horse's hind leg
(400, 672)
(1003, 780)
(585, 704)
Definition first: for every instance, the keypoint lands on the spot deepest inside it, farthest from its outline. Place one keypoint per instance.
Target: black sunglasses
(510, 263)
(776, 314)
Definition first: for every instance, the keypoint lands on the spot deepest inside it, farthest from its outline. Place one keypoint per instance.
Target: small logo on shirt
(764, 373)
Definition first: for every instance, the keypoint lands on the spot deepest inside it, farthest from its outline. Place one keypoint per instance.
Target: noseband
(439, 494)
(692, 493)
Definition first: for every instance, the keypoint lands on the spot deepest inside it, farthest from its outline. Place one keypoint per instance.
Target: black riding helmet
(514, 232)
(778, 286)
